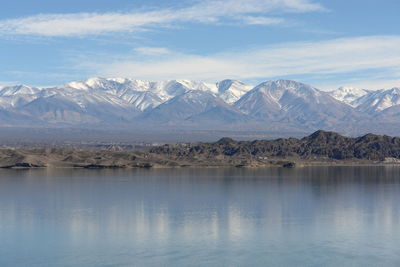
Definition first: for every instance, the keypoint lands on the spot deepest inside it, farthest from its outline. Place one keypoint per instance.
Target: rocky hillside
(320, 144)
(320, 147)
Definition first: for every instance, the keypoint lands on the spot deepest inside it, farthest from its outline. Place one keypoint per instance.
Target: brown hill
(319, 144)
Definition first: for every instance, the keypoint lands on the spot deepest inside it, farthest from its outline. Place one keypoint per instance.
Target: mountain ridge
(272, 105)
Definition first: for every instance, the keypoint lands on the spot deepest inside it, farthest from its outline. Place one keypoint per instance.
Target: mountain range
(280, 106)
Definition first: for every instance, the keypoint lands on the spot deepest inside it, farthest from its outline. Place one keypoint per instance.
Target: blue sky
(324, 43)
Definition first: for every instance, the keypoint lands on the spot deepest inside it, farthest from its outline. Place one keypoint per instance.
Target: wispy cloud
(37, 77)
(372, 54)
(206, 11)
(258, 20)
(152, 51)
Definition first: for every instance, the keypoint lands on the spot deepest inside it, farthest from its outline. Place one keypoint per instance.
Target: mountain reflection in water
(274, 216)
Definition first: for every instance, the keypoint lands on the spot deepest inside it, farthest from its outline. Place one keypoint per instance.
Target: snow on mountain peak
(165, 90)
(14, 96)
(80, 85)
(18, 90)
(119, 80)
(232, 90)
(95, 82)
(283, 101)
(227, 84)
(375, 101)
(387, 99)
(394, 91)
(348, 95)
(276, 89)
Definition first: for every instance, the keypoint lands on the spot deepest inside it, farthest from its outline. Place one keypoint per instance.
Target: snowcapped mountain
(259, 102)
(294, 102)
(18, 90)
(184, 106)
(348, 94)
(377, 101)
(15, 96)
(277, 105)
(232, 90)
(368, 101)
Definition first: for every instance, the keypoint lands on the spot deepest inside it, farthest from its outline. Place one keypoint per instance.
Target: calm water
(317, 216)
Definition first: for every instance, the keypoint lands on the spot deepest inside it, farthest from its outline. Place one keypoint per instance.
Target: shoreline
(296, 164)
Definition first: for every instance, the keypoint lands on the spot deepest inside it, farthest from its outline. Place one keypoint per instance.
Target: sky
(325, 43)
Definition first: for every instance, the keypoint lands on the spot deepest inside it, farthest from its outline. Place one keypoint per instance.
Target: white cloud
(379, 54)
(208, 11)
(152, 51)
(257, 20)
(79, 24)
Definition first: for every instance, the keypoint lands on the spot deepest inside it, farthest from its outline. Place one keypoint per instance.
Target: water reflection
(206, 216)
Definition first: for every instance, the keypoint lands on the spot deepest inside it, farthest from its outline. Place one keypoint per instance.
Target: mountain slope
(377, 101)
(273, 105)
(232, 90)
(294, 102)
(220, 114)
(16, 96)
(348, 95)
(184, 106)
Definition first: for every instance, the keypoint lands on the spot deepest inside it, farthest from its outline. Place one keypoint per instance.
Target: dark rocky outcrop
(319, 147)
(320, 144)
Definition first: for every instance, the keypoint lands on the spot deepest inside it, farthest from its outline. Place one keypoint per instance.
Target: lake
(311, 216)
